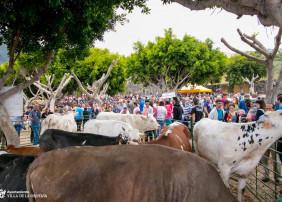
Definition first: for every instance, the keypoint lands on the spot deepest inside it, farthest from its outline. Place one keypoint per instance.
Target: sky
(210, 23)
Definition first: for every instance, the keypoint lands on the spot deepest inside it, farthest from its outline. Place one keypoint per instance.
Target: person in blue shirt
(141, 105)
(242, 104)
(279, 102)
(34, 117)
(208, 106)
(217, 113)
(78, 117)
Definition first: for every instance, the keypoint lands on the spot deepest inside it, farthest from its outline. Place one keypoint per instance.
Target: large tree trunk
(278, 85)
(8, 127)
(52, 103)
(269, 84)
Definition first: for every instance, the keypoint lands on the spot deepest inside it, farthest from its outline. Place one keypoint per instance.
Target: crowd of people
(218, 106)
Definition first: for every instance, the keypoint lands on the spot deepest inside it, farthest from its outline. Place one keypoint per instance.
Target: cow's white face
(134, 134)
(273, 119)
(150, 123)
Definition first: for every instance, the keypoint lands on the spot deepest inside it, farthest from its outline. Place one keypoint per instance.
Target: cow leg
(225, 173)
(241, 187)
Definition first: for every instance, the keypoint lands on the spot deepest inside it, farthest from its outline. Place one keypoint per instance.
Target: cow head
(273, 120)
(121, 139)
(134, 134)
(149, 123)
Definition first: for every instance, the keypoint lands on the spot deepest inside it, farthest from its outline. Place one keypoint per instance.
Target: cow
(139, 122)
(125, 173)
(112, 128)
(13, 169)
(237, 147)
(175, 135)
(54, 139)
(65, 122)
(22, 150)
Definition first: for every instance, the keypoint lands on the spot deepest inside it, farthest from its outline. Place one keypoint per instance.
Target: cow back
(163, 175)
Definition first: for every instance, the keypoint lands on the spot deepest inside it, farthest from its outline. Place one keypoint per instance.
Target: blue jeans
(36, 130)
(18, 128)
(161, 122)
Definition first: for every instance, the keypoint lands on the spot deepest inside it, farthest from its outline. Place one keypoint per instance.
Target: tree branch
(80, 85)
(253, 45)
(38, 85)
(242, 53)
(14, 42)
(268, 12)
(31, 81)
(99, 83)
(277, 43)
(63, 84)
(256, 42)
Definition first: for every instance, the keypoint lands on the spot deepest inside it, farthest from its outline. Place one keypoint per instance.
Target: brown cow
(124, 173)
(35, 151)
(176, 136)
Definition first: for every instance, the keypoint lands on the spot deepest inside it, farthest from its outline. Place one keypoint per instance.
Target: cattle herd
(110, 162)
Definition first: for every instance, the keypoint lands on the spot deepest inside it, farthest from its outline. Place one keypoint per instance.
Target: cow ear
(142, 117)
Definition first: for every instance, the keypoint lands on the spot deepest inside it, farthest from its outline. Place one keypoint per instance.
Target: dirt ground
(248, 196)
(268, 194)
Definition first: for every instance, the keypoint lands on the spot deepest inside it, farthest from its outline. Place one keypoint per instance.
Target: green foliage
(87, 70)
(278, 57)
(96, 64)
(240, 66)
(171, 59)
(57, 24)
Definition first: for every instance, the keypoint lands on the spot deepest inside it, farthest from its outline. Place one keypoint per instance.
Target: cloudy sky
(212, 24)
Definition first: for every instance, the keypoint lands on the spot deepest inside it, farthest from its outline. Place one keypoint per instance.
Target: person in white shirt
(124, 111)
(161, 115)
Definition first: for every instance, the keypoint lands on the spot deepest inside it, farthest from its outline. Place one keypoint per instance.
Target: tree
(242, 69)
(95, 88)
(96, 64)
(50, 90)
(46, 26)
(267, 61)
(28, 100)
(170, 63)
(269, 12)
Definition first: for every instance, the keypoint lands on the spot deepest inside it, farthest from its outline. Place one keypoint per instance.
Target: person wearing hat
(124, 111)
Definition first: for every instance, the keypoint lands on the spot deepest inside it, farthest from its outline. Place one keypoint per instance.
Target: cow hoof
(264, 179)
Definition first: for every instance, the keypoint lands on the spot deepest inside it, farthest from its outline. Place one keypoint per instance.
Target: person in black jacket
(177, 109)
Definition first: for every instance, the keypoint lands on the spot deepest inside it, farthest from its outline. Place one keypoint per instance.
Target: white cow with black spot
(237, 147)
